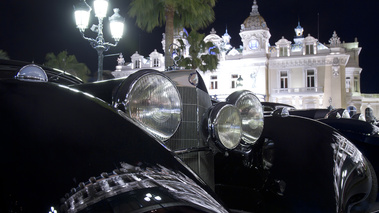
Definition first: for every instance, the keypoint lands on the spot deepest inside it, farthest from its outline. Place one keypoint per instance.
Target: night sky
(31, 29)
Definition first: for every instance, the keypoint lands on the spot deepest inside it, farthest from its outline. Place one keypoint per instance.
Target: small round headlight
(337, 114)
(251, 112)
(359, 116)
(32, 72)
(152, 100)
(225, 125)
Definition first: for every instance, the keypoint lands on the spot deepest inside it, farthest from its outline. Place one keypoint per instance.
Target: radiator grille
(189, 135)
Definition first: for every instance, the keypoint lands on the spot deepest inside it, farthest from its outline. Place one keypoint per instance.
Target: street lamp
(82, 13)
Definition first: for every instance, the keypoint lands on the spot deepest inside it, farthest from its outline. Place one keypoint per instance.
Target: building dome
(310, 39)
(282, 42)
(255, 21)
(213, 37)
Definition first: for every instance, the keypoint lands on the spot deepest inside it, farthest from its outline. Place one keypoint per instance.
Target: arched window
(347, 84)
(155, 62)
(309, 49)
(283, 46)
(356, 84)
(137, 64)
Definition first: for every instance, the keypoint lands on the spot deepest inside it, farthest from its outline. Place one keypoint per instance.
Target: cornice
(309, 61)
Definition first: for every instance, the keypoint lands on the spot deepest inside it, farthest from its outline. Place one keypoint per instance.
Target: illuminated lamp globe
(117, 25)
(82, 13)
(100, 7)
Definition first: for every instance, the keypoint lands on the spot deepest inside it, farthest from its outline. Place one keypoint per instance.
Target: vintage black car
(155, 142)
(359, 128)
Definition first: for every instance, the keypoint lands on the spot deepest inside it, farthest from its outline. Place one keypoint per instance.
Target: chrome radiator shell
(190, 140)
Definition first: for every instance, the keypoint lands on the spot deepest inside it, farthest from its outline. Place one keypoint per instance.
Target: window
(137, 64)
(283, 51)
(310, 78)
(309, 49)
(214, 82)
(347, 84)
(234, 81)
(283, 79)
(356, 84)
(156, 62)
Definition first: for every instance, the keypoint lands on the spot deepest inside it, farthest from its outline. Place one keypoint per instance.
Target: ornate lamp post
(82, 13)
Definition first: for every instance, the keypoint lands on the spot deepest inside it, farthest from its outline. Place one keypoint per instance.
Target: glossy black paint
(269, 107)
(105, 90)
(9, 69)
(363, 134)
(310, 113)
(54, 138)
(299, 176)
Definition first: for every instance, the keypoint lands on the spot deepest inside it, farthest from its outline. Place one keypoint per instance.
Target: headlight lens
(345, 114)
(337, 114)
(151, 99)
(225, 124)
(251, 112)
(32, 72)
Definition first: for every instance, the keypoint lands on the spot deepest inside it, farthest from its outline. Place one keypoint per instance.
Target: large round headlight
(251, 112)
(152, 100)
(225, 125)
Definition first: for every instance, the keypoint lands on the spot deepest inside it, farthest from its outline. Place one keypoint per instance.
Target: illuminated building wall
(303, 72)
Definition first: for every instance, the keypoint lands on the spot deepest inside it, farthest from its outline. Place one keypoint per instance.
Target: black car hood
(55, 137)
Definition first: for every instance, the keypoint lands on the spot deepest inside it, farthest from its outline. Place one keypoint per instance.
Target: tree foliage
(193, 14)
(202, 55)
(68, 63)
(4, 55)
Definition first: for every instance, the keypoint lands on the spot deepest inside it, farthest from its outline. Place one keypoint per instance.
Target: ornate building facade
(303, 73)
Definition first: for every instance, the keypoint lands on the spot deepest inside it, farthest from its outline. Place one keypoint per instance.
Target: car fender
(56, 137)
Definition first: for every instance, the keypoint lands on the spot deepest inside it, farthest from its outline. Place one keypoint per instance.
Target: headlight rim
(32, 68)
(121, 98)
(214, 116)
(233, 99)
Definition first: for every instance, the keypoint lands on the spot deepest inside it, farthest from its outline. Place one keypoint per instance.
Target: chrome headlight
(225, 125)
(151, 99)
(337, 114)
(32, 72)
(359, 116)
(251, 112)
(345, 114)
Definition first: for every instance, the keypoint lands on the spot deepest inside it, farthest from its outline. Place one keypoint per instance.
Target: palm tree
(194, 14)
(68, 63)
(202, 55)
(4, 55)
